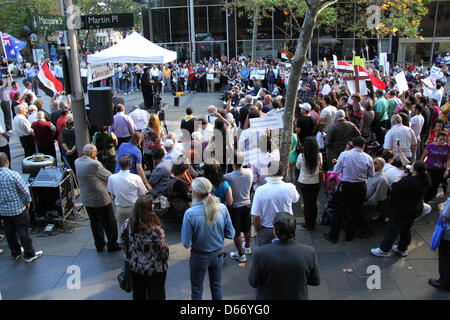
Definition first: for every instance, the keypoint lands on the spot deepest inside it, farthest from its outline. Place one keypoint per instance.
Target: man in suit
(283, 269)
(92, 178)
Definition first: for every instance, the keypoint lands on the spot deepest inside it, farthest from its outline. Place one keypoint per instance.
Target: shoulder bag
(125, 277)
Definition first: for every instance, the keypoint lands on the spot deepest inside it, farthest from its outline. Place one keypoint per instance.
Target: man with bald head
(92, 179)
(44, 133)
(267, 103)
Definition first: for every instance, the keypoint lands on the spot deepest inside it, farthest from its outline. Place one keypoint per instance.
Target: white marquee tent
(133, 49)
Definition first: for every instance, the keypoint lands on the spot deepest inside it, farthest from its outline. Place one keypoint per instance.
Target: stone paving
(401, 278)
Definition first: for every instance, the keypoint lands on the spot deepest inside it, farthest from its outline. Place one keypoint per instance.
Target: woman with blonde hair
(147, 252)
(153, 136)
(205, 225)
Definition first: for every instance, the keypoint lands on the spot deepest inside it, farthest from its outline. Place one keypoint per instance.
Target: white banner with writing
(100, 71)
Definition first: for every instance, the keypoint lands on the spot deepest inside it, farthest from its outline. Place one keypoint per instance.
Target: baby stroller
(332, 183)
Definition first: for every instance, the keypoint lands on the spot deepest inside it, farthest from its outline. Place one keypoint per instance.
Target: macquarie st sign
(119, 20)
(48, 22)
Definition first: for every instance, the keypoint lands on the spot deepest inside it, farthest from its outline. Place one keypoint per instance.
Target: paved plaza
(46, 278)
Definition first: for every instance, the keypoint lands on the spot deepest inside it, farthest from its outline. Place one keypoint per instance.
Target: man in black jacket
(283, 269)
(188, 122)
(243, 112)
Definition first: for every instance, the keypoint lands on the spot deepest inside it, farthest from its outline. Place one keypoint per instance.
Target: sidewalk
(401, 278)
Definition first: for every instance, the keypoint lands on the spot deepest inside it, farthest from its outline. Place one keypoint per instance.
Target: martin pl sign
(120, 20)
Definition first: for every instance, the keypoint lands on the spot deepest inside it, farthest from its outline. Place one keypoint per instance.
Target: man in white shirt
(273, 197)
(32, 117)
(23, 129)
(400, 134)
(140, 118)
(126, 188)
(326, 88)
(328, 114)
(28, 90)
(416, 124)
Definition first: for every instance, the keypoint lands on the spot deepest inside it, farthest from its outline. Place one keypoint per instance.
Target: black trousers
(149, 287)
(309, 195)
(148, 160)
(437, 176)
(6, 150)
(103, 221)
(349, 201)
(18, 228)
(393, 229)
(28, 145)
(51, 151)
(444, 262)
(6, 108)
(122, 140)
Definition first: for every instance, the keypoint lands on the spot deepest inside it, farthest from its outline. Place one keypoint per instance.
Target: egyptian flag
(377, 83)
(343, 66)
(47, 81)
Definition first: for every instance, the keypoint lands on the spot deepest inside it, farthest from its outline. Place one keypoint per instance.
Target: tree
(313, 9)
(387, 18)
(294, 10)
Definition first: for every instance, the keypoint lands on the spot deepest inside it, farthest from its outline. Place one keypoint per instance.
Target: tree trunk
(255, 32)
(294, 78)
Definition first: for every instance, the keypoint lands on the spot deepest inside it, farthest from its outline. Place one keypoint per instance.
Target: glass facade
(218, 34)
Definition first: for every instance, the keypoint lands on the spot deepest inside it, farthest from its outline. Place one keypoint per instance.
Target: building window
(180, 24)
(345, 13)
(443, 19)
(161, 32)
(427, 22)
(169, 3)
(244, 27)
(200, 23)
(217, 23)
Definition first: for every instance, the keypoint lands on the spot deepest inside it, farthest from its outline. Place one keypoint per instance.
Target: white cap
(305, 106)
(168, 143)
(340, 114)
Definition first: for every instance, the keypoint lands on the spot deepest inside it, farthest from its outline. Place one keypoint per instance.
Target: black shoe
(116, 247)
(99, 249)
(328, 237)
(438, 284)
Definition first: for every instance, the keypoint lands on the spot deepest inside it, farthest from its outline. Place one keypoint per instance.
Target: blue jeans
(134, 82)
(199, 263)
(270, 85)
(126, 88)
(116, 84)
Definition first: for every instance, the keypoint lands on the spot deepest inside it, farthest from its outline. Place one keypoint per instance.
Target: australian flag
(12, 47)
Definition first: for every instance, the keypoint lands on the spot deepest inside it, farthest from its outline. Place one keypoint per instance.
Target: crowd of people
(381, 158)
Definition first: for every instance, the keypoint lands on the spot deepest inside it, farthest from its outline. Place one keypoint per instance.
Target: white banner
(402, 84)
(100, 71)
(269, 122)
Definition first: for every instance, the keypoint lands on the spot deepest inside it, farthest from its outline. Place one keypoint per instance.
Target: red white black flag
(47, 81)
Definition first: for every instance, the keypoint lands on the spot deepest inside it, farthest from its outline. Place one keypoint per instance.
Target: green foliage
(398, 17)
(14, 14)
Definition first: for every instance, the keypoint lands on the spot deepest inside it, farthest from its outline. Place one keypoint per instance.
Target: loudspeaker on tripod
(101, 107)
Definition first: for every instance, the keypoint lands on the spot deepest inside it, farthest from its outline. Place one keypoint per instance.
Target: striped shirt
(14, 193)
(405, 135)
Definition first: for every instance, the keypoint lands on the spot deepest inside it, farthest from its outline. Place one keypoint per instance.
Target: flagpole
(6, 57)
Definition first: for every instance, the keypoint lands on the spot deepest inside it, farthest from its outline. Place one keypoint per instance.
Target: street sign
(48, 22)
(104, 21)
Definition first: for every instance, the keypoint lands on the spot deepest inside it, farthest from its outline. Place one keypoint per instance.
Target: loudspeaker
(176, 101)
(100, 103)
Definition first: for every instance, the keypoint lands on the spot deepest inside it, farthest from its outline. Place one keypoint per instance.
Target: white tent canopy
(133, 49)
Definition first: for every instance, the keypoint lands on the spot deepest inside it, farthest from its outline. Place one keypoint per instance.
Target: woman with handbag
(147, 252)
(309, 162)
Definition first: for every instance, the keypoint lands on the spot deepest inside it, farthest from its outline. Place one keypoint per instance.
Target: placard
(100, 71)
(402, 84)
(269, 122)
